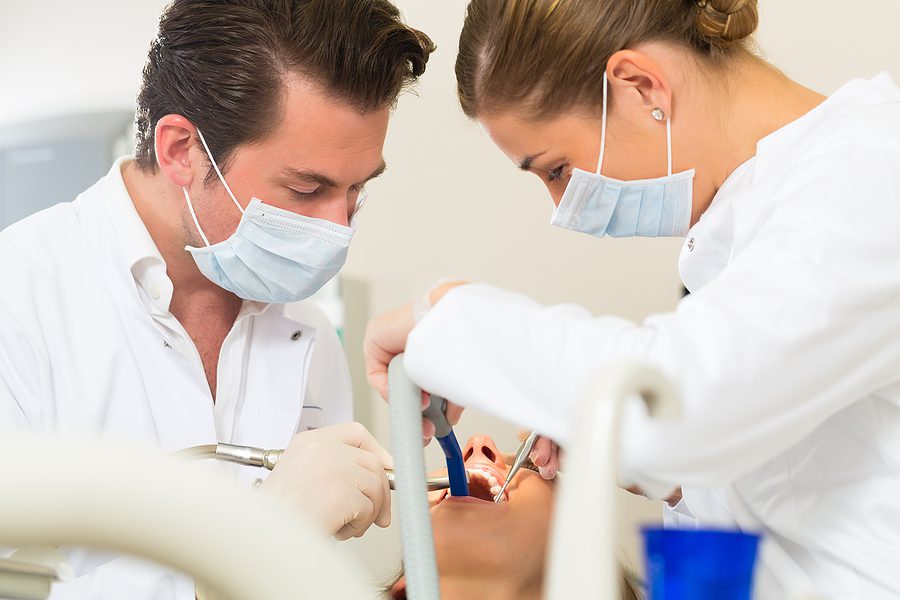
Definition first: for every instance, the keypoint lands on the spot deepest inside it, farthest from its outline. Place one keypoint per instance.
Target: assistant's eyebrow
(324, 180)
(525, 163)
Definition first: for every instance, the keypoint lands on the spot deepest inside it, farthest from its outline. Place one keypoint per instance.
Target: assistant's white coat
(787, 353)
(88, 346)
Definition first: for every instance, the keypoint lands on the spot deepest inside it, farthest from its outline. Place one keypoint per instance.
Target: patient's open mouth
(484, 485)
(485, 481)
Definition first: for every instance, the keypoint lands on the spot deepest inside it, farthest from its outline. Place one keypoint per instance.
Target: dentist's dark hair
(544, 57)
(222, 64)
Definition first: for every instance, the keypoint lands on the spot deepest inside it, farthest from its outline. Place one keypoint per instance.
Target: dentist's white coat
(787, 353)
(88, 346)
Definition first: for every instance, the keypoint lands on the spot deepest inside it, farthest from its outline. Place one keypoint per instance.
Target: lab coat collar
(142, 257)
(857, 92)
(709, 244)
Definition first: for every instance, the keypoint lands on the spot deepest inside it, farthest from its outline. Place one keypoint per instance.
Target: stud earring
(657, 114)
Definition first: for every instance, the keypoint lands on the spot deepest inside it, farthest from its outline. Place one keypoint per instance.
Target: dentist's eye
(556, 174)
(304, 195)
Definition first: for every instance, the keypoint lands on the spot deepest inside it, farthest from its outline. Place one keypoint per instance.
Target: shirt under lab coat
(786, 354)
(88, 346)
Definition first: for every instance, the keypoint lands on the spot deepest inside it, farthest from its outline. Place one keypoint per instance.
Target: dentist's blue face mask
(600, 205)
(274, 255)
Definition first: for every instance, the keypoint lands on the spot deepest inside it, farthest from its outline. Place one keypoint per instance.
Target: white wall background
(450, 203)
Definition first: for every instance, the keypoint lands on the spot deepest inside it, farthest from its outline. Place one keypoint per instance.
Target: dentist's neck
(162, 208)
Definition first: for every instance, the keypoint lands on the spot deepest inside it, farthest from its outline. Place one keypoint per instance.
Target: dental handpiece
(518, 462)
(432, 482)
(436, 412)
(267, 459)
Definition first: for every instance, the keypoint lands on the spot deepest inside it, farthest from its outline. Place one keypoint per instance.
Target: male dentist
(152, 307)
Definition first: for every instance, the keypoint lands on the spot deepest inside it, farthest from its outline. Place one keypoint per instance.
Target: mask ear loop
(194, 216)
(603, 125)
(603, 133)
(669, 144)
(218, 172)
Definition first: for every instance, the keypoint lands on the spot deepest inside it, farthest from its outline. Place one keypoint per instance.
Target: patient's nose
(482, 448)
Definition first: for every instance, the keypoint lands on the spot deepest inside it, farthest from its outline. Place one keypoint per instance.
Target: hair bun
(723, 22)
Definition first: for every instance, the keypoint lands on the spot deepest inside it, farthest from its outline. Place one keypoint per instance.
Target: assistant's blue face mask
(599, 205)
(274, 255)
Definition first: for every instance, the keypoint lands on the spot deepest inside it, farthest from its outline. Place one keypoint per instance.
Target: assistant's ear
(174, 140)
(639, 82)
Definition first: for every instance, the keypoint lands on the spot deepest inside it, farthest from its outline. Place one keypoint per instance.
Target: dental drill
(267, 459)
(406, 414)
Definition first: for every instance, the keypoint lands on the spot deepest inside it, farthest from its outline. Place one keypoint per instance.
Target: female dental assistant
(652, 118)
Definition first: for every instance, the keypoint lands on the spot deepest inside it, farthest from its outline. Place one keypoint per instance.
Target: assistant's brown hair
(221, 64)
(543, 57)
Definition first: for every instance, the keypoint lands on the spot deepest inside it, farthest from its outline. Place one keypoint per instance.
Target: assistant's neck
(756, 101)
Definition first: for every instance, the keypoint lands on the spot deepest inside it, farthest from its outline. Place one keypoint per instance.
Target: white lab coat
(787, 353)
(88, 346)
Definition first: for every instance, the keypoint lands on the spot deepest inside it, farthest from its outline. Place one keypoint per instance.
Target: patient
(488, 550)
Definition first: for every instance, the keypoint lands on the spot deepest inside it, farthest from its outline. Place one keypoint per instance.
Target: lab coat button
(155, 293)
(257, 483)
(690, 245)
(296, 335)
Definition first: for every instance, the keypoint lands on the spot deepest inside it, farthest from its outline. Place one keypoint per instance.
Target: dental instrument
(518, 463)
(436, 412)
(267, 459)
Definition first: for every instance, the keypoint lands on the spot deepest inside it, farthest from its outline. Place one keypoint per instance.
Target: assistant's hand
(386, 337)
(336, 476)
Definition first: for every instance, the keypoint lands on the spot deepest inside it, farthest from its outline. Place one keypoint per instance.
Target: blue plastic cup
(701, 564)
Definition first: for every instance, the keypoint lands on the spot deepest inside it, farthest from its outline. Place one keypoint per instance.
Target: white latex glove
(544, 455)
(336, 476)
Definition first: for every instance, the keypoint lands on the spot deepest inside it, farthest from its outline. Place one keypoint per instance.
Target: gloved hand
(386, 338)
(544, 455)
(336, 476)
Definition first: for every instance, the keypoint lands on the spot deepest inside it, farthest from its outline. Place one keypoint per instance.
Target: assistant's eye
(556, 174)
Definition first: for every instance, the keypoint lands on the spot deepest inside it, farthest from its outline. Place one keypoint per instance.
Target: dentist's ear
(175, 139)
(639, 83)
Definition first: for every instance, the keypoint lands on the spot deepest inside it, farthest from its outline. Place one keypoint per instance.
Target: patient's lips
(487, 472)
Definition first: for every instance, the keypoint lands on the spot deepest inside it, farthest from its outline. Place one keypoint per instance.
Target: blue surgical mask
(599, 205)
(274, 255)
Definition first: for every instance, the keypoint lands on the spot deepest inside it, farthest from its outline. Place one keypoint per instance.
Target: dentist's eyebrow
(324, 180)
(377, 172)
(525, 163)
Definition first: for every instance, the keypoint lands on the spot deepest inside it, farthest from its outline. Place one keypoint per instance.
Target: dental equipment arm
(582, 561)
(248, 545)
(405, 407)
